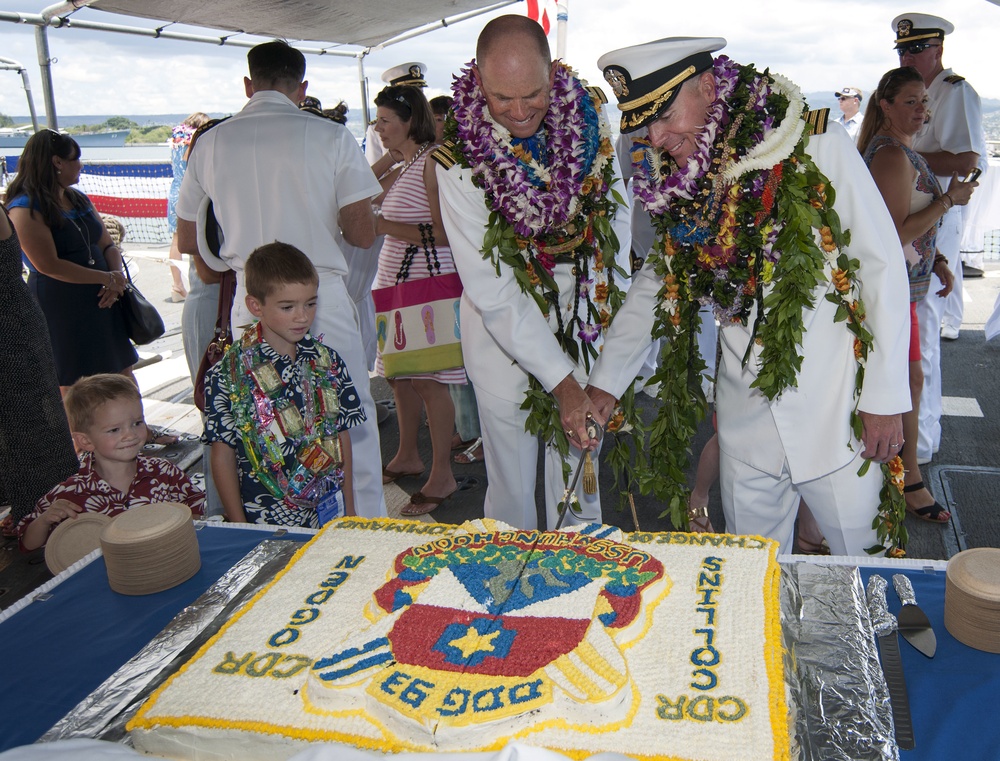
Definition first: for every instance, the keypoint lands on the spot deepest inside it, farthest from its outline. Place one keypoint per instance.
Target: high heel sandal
(930, 513)
(698, 520)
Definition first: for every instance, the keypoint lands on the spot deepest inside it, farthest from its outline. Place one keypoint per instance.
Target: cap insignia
(904, 27)
(617, 81)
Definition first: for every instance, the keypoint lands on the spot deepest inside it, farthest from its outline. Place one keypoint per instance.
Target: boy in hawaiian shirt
(106, 419)
(279, 404)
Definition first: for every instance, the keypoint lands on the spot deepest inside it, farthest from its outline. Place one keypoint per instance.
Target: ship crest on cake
(497, 626)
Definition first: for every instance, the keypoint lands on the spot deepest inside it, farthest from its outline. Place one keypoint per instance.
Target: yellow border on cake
(773, 656)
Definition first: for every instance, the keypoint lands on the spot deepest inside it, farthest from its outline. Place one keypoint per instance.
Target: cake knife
(913, 622)
(884, 624)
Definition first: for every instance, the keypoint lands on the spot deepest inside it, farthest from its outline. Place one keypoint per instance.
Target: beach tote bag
(416, 321)
(142, 322)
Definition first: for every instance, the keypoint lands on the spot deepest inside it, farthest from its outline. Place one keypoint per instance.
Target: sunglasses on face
(915, 48)
(846, 97)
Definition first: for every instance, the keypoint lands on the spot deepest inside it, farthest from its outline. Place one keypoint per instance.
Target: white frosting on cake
(409, 636)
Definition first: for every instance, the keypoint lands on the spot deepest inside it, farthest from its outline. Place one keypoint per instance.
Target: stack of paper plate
(73, 539)
(972, 598)
(150, 548)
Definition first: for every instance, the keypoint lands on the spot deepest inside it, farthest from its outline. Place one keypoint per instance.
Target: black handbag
(142, 322)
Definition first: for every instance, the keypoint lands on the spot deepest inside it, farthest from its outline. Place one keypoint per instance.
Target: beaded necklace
(265, 418)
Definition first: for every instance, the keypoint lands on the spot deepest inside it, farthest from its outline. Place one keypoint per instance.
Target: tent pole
(562, 20)
(45, 67)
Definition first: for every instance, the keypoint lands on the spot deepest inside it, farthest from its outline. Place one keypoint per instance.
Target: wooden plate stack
(73, 539)
(972, 598)
(150, 548)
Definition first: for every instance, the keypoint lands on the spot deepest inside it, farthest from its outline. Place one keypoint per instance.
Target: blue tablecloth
(952, 695)
(59, 650)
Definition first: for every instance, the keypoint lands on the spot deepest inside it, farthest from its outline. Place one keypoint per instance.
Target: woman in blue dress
(75, 267)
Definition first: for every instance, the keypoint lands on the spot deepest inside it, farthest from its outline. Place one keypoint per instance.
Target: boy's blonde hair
(276, 264)
(89, 393)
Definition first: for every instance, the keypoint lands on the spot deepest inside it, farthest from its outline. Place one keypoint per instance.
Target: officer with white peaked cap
(726, 151)
(411, 74)
(953, 143)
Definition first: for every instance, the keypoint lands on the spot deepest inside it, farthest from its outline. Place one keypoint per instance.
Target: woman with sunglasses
(75, 267)
(410, 219)
(896, 112)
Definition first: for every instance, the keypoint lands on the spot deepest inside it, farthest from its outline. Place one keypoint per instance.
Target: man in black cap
(740, 182)
(953, 144)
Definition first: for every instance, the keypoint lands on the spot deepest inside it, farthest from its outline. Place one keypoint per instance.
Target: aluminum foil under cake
(836, 688)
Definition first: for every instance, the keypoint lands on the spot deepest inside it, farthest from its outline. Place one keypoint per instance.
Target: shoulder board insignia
(205, 128)
(816, 121)
(598, 94)
(445, 154)
(954, 79)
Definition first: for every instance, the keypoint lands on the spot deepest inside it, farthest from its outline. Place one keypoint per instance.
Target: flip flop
(389, 476)
(698, 520)
(421, 504)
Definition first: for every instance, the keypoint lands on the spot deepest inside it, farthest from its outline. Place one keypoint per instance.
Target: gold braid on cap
(663, 91)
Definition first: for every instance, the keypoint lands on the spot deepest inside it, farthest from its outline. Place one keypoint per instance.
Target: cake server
(884, 624)
(913, 622)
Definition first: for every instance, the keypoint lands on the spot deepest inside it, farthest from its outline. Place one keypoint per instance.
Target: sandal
(421, 504)
(473, 454)
(812, 548)
(457, 443)
(389, 476)
(935, 513)
(698, 520)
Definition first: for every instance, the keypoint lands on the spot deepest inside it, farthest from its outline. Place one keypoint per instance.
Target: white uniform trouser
(949, 243)
(929, 316)
(512, 464)
(844, 504)
(337, 323)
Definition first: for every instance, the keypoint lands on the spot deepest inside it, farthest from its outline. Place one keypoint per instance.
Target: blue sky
(821, 45)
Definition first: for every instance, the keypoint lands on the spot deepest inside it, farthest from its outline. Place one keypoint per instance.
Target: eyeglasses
(915, 48)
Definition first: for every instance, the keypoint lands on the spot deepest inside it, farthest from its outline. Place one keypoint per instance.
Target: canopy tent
(334, 27)
(371, 23)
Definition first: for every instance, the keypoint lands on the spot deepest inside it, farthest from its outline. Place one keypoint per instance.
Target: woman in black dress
(76, 268)
(36, 451)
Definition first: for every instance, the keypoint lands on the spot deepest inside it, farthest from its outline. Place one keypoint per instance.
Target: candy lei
(748, 227)
(551, 201)
(258, 408)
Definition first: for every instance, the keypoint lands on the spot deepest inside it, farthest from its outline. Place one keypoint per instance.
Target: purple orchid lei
(532, 209)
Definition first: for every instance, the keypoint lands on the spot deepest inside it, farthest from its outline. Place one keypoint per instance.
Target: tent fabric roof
(360, 22)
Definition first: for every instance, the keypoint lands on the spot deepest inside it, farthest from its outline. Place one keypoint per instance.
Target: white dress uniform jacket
(805, 433)
(274, 172)
(504, 338)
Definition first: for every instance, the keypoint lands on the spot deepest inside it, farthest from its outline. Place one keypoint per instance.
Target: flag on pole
(542, 11)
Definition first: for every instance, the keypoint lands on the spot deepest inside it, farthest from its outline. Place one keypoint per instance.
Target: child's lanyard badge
(266, 418)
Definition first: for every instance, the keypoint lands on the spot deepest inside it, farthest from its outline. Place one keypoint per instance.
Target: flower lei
(551, 201)
(255, 397)
(746, 225)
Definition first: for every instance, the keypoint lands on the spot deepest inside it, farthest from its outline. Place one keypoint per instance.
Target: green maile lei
(547, 210)
(758, 229)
